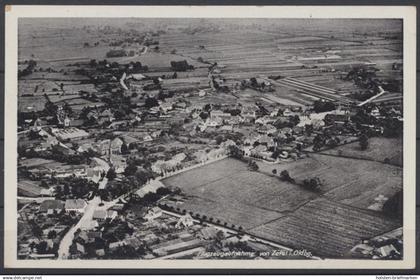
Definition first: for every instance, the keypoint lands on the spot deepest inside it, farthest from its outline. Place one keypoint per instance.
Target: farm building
(76, 205)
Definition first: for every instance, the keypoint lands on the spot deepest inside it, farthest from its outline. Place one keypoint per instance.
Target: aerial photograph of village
(209, 139)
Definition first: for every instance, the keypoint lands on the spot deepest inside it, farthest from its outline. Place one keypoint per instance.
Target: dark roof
(51, 205)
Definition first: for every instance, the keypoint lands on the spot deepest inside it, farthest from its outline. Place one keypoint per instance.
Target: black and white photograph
(210, 138)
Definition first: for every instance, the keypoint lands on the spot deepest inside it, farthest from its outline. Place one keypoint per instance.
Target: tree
(285, 176)
(111, 174)
(274, 171)
(253, 165)
(318, 142)
(235, 152)
(323, 106)
(42, 247)
(219, 139)
(151, 102)
(312, 183)
(130, 169)
(36, 229)
(394, 205)
(52, 234)
(363, 142)
(66, 189)
(124, 149)
(204, 115)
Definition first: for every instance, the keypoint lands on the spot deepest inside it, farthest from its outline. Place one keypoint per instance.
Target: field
(267, 207)
(296, 50)
(325, 227)
(378, 150)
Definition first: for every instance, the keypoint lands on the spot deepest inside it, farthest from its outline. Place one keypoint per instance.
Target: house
(185, 221)
(249, 112)
(129, 140)
(70, 133)
(111, 214)
(336, 118)
(77, 249)
(226, 128)
(114, 245)
(266, 140)
(227, 143)
(137, 77)
(267, 129)
(180, 105)
(209, 233)
(51, 206)
(200, 156)
(287, 112)
(150, 187)
(265, 120)
(387, 250)
(98, 164)
(63, 171)
(37, 125)
(216, 153)
(134, 242)
(85, 147)
(153, 213)
(230, 241)
(144, 137)
(99, 215)
(115, 146)
(102, 215)
(214, 122)
(249, 141)
(119, 163)
(100, 252)
(104, 147)
(93, 224)
(65, 150)
(166, 106)
(76, 205)
(119, 124)
(219, 114)
(169, 165)
(175, 246)
(235, 120)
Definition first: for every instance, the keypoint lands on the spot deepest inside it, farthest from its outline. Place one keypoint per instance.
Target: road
(145, 50)
(382, 91)
(122, 83)
(63, 250)
(85, 220)
(35, 199)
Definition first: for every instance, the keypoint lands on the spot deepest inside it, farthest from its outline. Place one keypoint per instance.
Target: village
(110, 148)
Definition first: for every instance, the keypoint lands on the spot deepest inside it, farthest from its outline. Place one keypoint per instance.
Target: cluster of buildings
(387, 246)
(141, 120)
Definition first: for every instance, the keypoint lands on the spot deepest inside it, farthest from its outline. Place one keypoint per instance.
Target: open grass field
(379, 149)
(270, 208)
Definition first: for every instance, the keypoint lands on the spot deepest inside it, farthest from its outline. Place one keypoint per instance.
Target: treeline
(28, 70)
